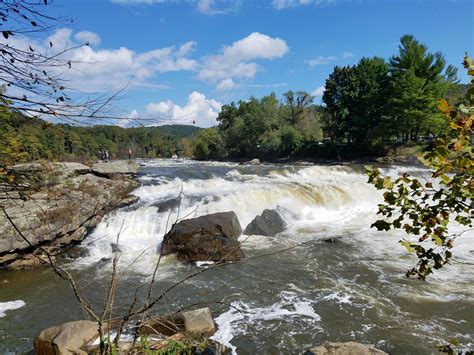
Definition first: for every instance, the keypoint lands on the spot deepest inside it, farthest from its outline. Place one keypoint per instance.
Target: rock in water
(198, 322)
(212, 237)
(114, 168)
(254, 162)
(269, 223)
(348, 348)
(67, 338)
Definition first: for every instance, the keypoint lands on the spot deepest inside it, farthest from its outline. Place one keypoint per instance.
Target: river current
(293, 291)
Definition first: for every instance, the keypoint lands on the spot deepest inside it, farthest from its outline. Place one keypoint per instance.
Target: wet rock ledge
(64, 203)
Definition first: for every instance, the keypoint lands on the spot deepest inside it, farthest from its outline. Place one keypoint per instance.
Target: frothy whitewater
(354, 289)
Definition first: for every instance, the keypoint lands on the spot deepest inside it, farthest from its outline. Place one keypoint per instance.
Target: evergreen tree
(418, 82)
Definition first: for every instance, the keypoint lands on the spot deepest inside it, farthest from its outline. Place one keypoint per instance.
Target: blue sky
(183, 59)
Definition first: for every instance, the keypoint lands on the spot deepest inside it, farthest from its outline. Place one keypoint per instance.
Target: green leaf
(387, 183)
(381, 225)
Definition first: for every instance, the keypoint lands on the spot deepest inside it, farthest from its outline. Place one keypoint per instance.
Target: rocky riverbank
(57, 214)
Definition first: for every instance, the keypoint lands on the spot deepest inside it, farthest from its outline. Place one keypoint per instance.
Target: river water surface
(284, 298)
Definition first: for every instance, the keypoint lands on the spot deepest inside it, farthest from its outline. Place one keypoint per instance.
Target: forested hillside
(26, 138)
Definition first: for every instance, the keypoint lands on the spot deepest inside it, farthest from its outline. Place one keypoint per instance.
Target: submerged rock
(212, 237)
(348, 348)
(269, 223)
(67, 338)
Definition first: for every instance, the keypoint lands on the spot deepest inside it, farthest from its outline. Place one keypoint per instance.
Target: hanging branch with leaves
(425, 209)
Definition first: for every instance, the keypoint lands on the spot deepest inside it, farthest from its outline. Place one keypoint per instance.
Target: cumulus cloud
(320, 60)
(318, 92)
(236, 60)
(87, 37)
(226, 85)
(101, 70)
(198, 110)
(285, 4)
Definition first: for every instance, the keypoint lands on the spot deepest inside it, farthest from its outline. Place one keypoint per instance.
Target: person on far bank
(129, 154)
(106, 156)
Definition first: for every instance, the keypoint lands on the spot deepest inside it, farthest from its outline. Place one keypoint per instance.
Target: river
(283, 302)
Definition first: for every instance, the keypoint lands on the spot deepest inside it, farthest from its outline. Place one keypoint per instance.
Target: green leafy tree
(419, 79)
(356, 101)
(209, 145)
(426, 209)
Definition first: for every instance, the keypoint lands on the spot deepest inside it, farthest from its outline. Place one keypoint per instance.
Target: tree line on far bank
(27, 138)
(367, 108)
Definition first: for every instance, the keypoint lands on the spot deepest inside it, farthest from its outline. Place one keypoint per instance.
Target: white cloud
(130, 121)
(235, 62)
(320, 60)
(207, 7)
(198, 110)
(226, 85)
(285, 4)
(87, 37)
(318, 92)
(102, 70)
(347, 55)
(186, 48)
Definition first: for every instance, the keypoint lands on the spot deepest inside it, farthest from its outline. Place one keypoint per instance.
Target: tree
(426, 209)
(355, 99)
(209, 145)
(296, 104)
(418, 81)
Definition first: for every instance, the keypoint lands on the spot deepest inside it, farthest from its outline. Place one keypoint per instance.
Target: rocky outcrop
(63, 169)
(58, 214)
(198, 323)
(115, 168)
(269, 223)
(348, 348)
(212, 237)
(68, 338)
(82, 337)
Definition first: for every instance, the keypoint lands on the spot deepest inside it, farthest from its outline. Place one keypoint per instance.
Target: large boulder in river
(212, 237)
(269, 223)
(114, 168)
(348, 348)
(67, 338)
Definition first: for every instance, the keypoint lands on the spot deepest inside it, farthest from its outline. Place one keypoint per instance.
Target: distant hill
(33, 139)
(177, 131)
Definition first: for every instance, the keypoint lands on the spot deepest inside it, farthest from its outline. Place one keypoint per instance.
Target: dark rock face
(269, 223)
(212, 237)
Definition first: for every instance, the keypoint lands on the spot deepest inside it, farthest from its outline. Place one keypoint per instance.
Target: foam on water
(235, 320)
(10, 305)
(315, 201)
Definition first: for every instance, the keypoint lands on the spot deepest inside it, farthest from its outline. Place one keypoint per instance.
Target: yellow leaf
(444, 106)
